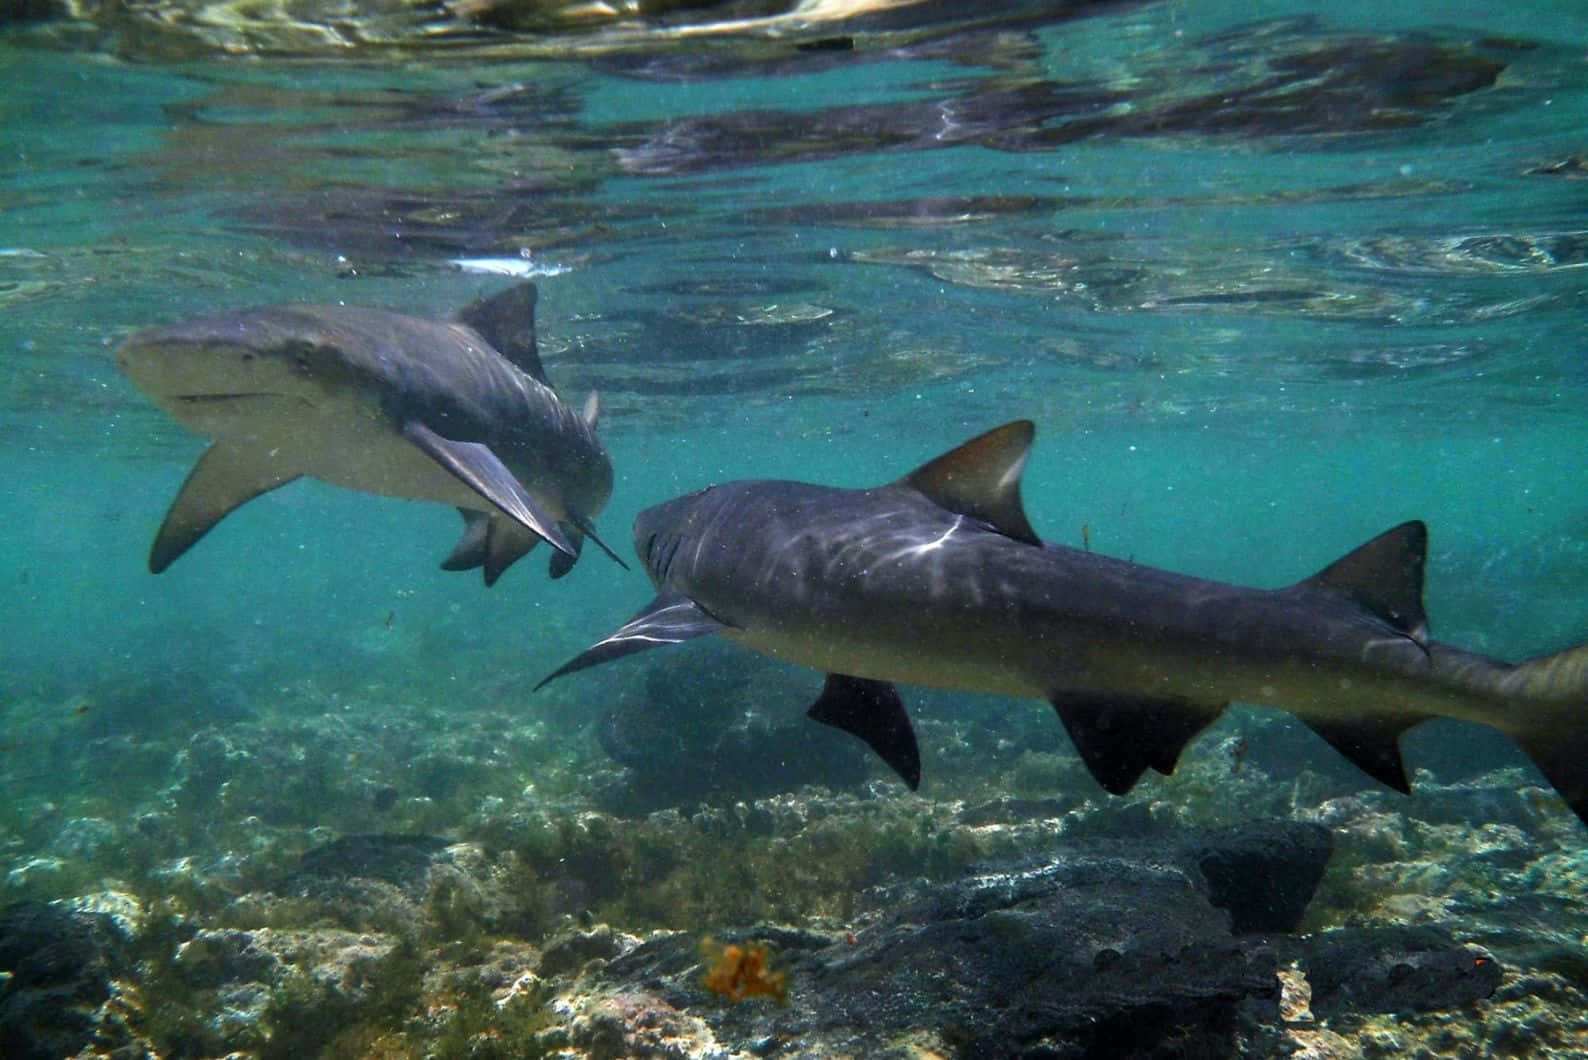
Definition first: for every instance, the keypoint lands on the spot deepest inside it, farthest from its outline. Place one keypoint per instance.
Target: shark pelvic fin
(507, 544)
(872, 711)
(1386, 577)
(470, 550)
(1371, 744)
(492, 542)
(981, 479)
(507, 321)
(670, 618)
(1120, 736)
(482, 471)
(224, 478)
(561, 563)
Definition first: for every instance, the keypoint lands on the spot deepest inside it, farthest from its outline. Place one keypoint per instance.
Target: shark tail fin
(1554, 690)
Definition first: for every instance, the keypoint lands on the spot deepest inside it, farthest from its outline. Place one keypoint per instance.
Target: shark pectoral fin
(981, 479)
(1371, 744)
(592, 408)
(1385, 576)
(477, 467)
(872, 711)
(670, 618)
(507, 321)
(224, 478)
(1120, 736)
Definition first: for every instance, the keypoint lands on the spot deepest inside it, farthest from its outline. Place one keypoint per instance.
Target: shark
(938, 579)
(457, 412)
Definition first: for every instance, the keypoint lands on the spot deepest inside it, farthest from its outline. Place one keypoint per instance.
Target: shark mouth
(206, 399)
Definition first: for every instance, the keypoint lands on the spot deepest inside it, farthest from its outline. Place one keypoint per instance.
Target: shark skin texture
(938, 579)
(458, 412)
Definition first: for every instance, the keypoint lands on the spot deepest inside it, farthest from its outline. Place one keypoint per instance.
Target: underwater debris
(739, 972)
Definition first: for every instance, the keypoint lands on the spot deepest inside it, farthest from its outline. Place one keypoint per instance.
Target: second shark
(938, 579)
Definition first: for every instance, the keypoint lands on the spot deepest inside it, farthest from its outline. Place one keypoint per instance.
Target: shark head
(662, 531)
(231, 368)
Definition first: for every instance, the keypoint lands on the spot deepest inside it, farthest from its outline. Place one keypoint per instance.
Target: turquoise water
(1268, 281)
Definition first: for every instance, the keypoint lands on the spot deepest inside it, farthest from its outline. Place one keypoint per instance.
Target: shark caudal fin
(1552, 690)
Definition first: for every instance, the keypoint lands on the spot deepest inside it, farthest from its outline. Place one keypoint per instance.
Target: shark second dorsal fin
(507, 321)
(981, 479)
(1385, 576)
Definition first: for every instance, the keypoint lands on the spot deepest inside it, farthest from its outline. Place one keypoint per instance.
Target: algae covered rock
(1110, 948)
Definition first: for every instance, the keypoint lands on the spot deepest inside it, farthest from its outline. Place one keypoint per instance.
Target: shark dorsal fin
(1385, 576)
(506, 320)
(592, 408)
(982, 479)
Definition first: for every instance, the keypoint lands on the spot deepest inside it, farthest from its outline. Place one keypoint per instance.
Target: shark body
(458, 412)
(938, 579)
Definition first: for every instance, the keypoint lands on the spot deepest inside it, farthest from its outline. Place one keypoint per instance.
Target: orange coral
(739, 972)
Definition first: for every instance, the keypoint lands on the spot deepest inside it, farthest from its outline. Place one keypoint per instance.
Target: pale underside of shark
(458, 412)
(938, 579)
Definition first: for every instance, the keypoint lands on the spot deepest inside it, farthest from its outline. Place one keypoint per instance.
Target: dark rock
(1264, 873)
(1112, 948)
(568, 952)
(222, 955)
(59, 967)
(1370, 970)
(32, 11)
(1090, 955)
(401, 860)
